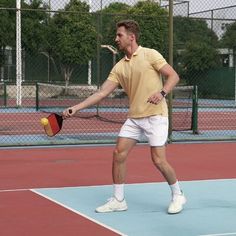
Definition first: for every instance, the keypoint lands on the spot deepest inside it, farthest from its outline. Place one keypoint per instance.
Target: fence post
(5, 94)
(195, 110)
(171, 63)
(37, 97)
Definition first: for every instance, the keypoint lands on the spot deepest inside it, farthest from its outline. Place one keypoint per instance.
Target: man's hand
(68, 112)
(155, 98)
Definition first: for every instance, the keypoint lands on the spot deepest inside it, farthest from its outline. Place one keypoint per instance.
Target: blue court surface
(210, 208)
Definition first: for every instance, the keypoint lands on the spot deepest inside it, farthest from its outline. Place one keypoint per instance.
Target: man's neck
(130, 51)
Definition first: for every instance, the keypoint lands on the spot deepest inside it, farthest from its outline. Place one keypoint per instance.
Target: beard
(120, 47)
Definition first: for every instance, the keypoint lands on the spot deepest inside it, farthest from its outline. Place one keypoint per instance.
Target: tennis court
(57, 53)
(54, 191)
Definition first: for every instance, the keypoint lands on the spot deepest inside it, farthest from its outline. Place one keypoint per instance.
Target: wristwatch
(163, 93)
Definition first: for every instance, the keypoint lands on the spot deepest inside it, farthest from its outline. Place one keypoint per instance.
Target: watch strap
(163, 93)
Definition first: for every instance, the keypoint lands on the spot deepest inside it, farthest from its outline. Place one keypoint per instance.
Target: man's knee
(119, 156)
(158, 162)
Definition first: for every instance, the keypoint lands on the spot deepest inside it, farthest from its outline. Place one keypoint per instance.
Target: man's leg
(117, 202)
(159, 159)
(122, 149)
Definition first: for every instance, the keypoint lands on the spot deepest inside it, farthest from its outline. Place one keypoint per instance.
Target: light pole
(18, 55)
(113, 50)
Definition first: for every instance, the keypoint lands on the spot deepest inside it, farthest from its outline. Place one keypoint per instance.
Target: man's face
(123, 38)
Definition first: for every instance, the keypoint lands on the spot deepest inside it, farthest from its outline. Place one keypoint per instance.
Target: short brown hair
(131, 26)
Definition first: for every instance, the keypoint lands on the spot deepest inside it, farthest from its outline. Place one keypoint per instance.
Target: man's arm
(171, 76)
(172, 79)
(107, 88)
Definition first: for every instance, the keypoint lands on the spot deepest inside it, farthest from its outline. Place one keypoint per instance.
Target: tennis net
(114, 108)
(57, 97)
(185, 108)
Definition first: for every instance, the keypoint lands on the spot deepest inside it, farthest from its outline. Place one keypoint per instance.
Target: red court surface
(22, 212)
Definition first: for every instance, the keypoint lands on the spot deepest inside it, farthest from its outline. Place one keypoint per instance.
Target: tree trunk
(67, 74)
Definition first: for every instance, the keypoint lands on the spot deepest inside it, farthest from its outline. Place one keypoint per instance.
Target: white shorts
(155, 128)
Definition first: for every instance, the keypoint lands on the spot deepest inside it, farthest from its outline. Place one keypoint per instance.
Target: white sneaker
(112, 205)
(177, 204)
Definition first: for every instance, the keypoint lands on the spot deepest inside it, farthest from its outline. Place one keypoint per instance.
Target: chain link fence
(64, 51)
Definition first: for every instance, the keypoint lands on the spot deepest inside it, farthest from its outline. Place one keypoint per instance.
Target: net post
(5, 94)
(195, 110)
(37, 97)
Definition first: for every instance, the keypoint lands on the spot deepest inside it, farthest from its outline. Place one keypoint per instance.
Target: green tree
(153, 21)
(200, 57)
(109, 16)
(7, 28)
(72, 37)
(229, 38)
(7, 23)
(33, 26)
(195, 48)
(189, 29)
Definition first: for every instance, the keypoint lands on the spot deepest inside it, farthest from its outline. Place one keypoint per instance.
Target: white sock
(175, 189)
(118, 191)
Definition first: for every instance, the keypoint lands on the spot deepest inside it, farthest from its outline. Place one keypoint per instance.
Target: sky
(222, 17)
(202, 5)
(195, 5)
(179, 9)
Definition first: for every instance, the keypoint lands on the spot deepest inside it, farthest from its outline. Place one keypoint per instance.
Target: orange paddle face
(54, 124)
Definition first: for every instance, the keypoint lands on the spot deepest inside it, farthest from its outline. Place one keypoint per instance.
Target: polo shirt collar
(134, 54)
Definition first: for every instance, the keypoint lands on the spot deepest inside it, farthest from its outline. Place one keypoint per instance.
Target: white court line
(14, 190)
(79, 213)
(222, 234)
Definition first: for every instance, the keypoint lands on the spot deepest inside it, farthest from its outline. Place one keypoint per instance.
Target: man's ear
(132, 36)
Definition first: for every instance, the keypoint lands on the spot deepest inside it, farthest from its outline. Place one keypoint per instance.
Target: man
(139, 74)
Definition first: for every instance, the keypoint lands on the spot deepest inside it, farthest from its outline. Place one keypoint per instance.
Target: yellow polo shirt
(139, 77)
